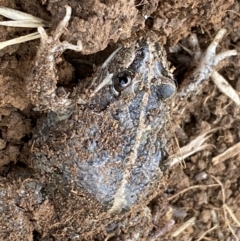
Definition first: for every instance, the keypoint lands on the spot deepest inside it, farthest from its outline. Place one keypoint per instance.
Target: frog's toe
(194, 45)
(63, 24)
(219, 57)
(43, 35)
(208, 61)
(60, 29)
(219, 36)
(67, 45)
(210, 58)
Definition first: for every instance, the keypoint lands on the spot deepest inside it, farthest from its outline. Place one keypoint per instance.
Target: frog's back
(108, 154)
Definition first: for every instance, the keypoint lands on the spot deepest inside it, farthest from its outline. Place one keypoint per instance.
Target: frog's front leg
(206, 63)
(42, 82)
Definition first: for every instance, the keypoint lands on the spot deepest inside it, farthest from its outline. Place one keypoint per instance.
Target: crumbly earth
(105, 23)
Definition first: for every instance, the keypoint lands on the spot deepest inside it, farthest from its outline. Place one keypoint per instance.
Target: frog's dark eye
(120, 82)
(124, 81)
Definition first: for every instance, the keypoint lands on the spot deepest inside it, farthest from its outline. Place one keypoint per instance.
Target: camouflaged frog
(105, 138)
(100, 146)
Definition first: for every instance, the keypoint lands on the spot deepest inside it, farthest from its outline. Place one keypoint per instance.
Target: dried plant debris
(228, 212)
(230, 152)
(188, 223)
(194, 146)
(23, 20)
(225, 87)
(22, 39)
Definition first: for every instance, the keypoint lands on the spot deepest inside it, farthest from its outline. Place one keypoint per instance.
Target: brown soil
(101, 24)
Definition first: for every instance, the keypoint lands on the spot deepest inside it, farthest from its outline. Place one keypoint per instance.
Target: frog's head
(128, 71)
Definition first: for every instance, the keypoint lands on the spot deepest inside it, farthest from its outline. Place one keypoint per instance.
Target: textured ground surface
(104, 23)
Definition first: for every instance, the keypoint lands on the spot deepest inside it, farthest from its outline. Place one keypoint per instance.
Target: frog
(100, 146)
(112, 126)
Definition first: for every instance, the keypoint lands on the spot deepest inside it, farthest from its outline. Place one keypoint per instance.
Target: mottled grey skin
(106, 139)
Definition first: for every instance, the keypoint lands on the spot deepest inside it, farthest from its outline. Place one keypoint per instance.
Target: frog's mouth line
(109, 59)
(107, 80)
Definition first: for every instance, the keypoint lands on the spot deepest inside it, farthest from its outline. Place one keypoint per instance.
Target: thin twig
(233, 12)
(183, 227)
(226, 210)
(192, 187)
(22, 39)
(208, 231)
(230, 152)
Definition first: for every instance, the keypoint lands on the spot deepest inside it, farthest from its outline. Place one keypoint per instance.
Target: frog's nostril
(165, 91)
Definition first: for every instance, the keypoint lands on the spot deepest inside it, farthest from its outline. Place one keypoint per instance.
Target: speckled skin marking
(109, 148)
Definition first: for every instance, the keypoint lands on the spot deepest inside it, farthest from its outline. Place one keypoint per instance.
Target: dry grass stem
(183, 227)
(232, 231)
(230, 212)
(192, 187)
(182, 162)
(230, 152)
(233, 12)
(22, 24)
(208, 231)
(161, 231)
(17, 15)
(225, 87)
(22, 39)
(210, 239)
(216, 223)
(194, 146)
(20, 19)
(227, 210)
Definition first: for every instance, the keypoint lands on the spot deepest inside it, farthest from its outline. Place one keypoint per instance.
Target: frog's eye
(124, 81)
(120, 82)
